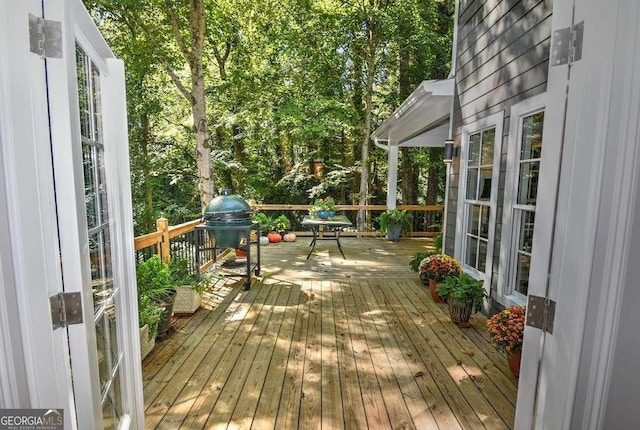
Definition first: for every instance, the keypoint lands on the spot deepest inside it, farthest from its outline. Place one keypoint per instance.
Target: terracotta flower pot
(513, 359)
(432, 289)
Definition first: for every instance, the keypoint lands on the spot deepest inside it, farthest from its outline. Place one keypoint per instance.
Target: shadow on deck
(331, 343)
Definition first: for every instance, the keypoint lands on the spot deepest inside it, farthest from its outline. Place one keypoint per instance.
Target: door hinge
(566, 45)
(541, 312)
(45, 37)
(66, 309)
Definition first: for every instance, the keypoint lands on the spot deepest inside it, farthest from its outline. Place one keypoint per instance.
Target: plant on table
(327, 204)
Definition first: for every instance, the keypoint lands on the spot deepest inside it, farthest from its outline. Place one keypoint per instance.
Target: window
(479, 173)
(521, 193)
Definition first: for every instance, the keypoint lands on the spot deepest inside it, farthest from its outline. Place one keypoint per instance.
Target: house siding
(501, 59)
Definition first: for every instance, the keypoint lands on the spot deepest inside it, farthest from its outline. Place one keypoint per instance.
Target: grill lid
(227, 206)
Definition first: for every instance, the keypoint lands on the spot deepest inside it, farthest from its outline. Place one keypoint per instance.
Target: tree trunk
(364, 177)
(433, 181)
(238, 151)
(146, 180)
(198, 108)
(408, 173)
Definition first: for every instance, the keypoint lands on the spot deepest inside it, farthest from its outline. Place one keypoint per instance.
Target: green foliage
(264, 220)
(395, 217)
(181, 273)
(417, 259)
(284, 85)
(154, 278)
(280, 224)
(149, 313)
(461, 289)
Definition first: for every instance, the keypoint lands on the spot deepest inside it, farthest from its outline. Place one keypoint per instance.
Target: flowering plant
(506, 328)
(439, 266)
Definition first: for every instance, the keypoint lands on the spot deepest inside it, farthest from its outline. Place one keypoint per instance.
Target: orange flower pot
(513, 359)
(432, 289)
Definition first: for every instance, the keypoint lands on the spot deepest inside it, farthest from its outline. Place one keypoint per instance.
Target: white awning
(421, 120)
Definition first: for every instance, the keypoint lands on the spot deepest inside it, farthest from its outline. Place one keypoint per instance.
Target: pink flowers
(506, 328)
(439, 266)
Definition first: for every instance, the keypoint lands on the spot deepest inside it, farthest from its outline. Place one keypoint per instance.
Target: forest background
(250, 94)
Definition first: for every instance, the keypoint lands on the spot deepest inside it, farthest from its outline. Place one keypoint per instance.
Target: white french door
(90, 157)
(586, 177)
(65, 130)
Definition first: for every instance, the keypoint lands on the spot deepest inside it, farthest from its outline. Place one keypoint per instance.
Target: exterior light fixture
(449, 151)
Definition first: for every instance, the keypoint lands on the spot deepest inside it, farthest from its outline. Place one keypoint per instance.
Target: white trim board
(518, 112)
(496, 120)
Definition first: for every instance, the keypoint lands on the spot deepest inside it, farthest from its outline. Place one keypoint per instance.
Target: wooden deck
(331, 343)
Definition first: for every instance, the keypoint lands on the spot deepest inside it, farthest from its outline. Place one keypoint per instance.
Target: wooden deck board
(328, 343)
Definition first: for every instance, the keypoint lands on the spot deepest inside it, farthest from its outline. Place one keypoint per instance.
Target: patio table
(333, 225)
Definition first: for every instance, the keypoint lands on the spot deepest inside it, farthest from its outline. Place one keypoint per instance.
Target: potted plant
(394, 222)
(464, 295)
(154, 281)
(436, 268)
(323, 208)
(506, 330)
(264, 220)
(149, 315)
(188, 287)
(414, 264)
(281, 224)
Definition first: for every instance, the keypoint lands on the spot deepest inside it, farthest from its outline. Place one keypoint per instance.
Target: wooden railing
(180, 239)
(426, 218)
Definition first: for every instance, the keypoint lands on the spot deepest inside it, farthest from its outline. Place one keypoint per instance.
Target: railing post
(162, 225)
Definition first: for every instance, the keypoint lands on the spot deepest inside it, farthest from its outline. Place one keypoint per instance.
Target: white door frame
(32, 272)
(576, 226)
(34, 361)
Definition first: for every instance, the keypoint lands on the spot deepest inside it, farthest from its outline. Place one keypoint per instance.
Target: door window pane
(90, 194)
(102, 287)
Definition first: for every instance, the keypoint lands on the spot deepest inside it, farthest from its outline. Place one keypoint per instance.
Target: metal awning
(422, 120)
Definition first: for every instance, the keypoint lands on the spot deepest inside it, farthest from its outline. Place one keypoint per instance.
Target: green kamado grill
(228, 210)
(228, 224)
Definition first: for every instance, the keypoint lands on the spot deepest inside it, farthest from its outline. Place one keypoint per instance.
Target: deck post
(162, 225)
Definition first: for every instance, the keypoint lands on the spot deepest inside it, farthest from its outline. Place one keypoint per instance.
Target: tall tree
(175, 32)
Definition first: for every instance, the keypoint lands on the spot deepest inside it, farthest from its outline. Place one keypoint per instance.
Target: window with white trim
(520, 198)
(479, 174)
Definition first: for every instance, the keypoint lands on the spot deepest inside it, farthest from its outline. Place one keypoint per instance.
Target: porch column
(392, 176)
